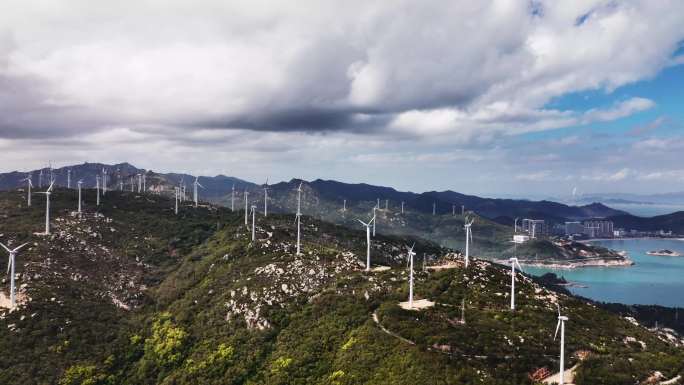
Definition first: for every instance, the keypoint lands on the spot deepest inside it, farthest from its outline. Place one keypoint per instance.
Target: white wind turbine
(177, 191)
(68, 178)
(298, 217)
(232, 198)
(139, 182)
(514, 262)
(266, 198)
(195, 184)
(411, 254)
(47, 193)
(402, 207)
(29, 184)
(246, 206)
(40, 179)
(144, 181)
(97, 188)
(368, 240)
(561, 325)
(10, 270)
(515, 225)
(469, 238)
(253, 222)
(80, 183)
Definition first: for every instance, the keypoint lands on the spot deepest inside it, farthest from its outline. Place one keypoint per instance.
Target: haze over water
(653, 280)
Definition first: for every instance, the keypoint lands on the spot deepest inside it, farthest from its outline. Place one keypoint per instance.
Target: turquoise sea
(653, 280)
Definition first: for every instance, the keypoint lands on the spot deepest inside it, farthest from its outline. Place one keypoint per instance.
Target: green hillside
(133, 294)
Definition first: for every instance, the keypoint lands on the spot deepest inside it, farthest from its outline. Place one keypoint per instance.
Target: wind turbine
(47, 207)
(68, 178)
(97, 188)
(144, 181)
(29, 184)
(266, 198)
(177, 191)
(469, 238)
(453, 210)
(514, 263)
(368, 240)
(232, 198)
(374, 208)
(344, 206)
(80, 183)
(246, 213)
(386, 204)
(434, 208)
(298, 217)
(195, 184)
(139, 183)
(402, 207)
(253, 221)
(10, 270)
(515, 225)
(561, 325)
(411, 254)
(40, 179)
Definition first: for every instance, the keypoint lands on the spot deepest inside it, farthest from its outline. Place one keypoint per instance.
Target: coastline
(567, 265)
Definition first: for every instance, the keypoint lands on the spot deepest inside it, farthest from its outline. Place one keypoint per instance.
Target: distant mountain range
(324, 199)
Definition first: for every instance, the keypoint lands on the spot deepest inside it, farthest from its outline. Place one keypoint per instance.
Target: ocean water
(653, 280)
(647, 210)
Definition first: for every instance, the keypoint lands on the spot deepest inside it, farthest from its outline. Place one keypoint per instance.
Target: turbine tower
(344, 206)
(29, 184)
(299, 218)
(80, 183)
(176, 196)
(253, 222)
(561, 325)
(232, 198)
(195, 184)
(10, 270)
(374, 208)
(266, 198)
(97, 188)
(515, 225)
(402, 207)
(411, 254)
(47, 207)
(469, 238)
(246, 212)
(514, 263)
(68, 178)
(40, 179)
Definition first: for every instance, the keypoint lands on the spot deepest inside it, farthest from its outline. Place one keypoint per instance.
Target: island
(665, 253)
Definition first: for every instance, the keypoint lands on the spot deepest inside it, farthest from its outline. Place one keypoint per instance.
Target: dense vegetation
(133, 294)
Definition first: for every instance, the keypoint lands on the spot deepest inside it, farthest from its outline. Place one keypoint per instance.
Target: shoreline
(627, 239)
(562, 265)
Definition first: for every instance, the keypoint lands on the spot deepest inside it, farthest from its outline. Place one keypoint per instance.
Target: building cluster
(590, 229)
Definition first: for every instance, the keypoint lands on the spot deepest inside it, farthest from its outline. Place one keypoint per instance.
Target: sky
(496, 98)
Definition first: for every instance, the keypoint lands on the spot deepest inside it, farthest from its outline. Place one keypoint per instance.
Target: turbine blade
(5, 247)
(557, 327)
(18, 248)
(9, 264)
